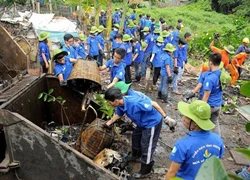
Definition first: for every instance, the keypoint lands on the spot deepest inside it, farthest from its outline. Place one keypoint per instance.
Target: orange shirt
(223, 53)
(240, 58)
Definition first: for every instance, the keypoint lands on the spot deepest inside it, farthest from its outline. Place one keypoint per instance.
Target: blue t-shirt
(166, 59)
(71, 52)
(240, 49)
(128, 57)
(149, 39)
(121, 45)
(148, 23)
(157, 50)
(192, 150)
(93, 46)
(179, 53)
(116, 70)
(44, 48)
(142, 23)
(81, 51)
(133, 16)
(155, 37)
(133, 31)
(212, 83)
(152, 27)
(140, 111)
(112, 38)
(175, 35)
(128, 31)
(186, 52)
(116, 18)
(64, 69)
(140, 52)
(101, 40)
(166, 40)
(132, 92)
(201, 80)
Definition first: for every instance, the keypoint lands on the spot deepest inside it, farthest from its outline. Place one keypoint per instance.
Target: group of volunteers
(161, 47)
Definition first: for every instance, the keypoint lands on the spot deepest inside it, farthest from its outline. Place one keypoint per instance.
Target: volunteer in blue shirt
(176, 34)
(81, 49)
(119, 42)
(149, 40)
(148, 21)
(68, 47)
(112, 37)
(179, 62)
(152, 27)
(116, 67)
(243, 47)
(44, 51)
(103, 18)
(156, 59)
(213, 90)
(200, 144)
(93, 44)
(116, 17)
(165, 34)
(101, 42)
(141, 26)
(128, 57)
(148, 120)
(187, 37)
(156, 34)
(166, 72)
(138, 57)
(133, 15)
(63, 66)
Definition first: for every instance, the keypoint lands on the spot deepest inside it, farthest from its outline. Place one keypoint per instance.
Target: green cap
(58, 52)
(126, 37)
(145, 29)
(229, 49)
(82, 37)
(160, 39)
(169, 47)
(116, 25)
(122, 86)
(43, 35)
(165, 33)
(143, 44)
(101, 28)
(157, 31)
(131, 25)
(199, 111)
(93, 29)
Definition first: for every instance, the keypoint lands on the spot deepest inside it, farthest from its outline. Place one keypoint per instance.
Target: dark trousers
(45, 70)
(144, 140)
(156, 74)
(100, 59)
(95, 57)
(141, 35)
(128, 74)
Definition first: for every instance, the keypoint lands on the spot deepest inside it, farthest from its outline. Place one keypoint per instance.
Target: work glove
(63, 83)
(170, 79)
(216, 36)
(176, 71)
(170, 122)
(190, 95)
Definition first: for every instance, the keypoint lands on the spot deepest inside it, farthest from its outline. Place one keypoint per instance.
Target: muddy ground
(232, 125)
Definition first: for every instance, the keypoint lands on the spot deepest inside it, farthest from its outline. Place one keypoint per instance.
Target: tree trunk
(125, 9)
(109, 18)
(97, 12)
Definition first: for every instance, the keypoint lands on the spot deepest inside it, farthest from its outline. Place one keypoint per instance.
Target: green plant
(49, 98)
(106, 109)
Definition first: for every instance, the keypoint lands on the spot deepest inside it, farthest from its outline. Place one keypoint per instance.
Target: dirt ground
(232, 126)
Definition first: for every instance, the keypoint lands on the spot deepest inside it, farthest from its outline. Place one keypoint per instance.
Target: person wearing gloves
(148, 120)
(63, 66)
(156, 59)
(166, 72)
(200, 144)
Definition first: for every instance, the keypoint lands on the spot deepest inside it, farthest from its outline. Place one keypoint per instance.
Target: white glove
(170, 122)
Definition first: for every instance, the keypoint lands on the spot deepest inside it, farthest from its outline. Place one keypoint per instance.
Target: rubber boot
(145, 171)
(159, 95)
(135, 156)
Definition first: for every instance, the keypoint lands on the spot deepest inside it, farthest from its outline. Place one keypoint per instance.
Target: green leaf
(248, 127)
(59, 98)
(51, 91)
(45, 97)
(51, 99)
(235, 177)
(176, 178)
(212, 167)
(244, 151)
(40, 96)
(244, 89)
(63, 102)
